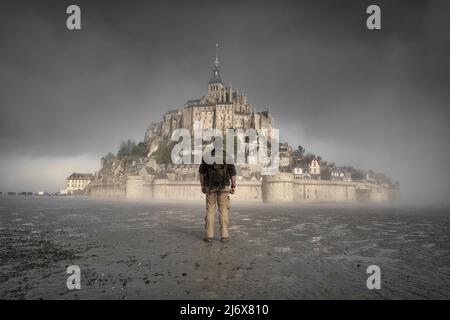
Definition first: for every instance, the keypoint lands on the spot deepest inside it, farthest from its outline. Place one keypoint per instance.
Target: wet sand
(142, 250)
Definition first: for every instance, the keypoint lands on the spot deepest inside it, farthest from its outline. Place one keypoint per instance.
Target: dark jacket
(209, 170)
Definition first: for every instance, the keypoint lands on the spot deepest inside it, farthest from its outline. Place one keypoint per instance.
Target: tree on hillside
(131, 150)
(357, 175)
(301, 150)
(126, 148)
(325, 173)
(108, 158)
(140, 150)
(309, 157)
(381, 178)
(163, 154)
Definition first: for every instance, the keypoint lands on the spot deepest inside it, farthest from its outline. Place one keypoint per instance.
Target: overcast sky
(372, 99)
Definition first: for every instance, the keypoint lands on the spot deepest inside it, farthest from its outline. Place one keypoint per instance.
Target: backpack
(218, 175)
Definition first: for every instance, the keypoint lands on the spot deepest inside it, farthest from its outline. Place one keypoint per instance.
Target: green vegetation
(163, 154)
(132, 151)
(126, 148)
(128, 151)
(108, 159)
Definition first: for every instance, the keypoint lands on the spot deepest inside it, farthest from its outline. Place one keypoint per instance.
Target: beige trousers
(222, 199)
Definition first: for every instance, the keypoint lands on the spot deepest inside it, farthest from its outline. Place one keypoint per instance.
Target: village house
(370, 177)
(285, 155)
(77, 182)
(314, 169)
(301, 173)
(340, 174)
(301, 170)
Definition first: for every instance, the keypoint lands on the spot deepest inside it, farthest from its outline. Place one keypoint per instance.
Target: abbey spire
(216, 61)
(216, 72)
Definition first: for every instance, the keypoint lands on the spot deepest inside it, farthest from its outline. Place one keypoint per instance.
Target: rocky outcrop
(114, 174)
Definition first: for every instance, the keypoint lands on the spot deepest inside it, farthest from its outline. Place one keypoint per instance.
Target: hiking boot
(225, 239)
(206, 239)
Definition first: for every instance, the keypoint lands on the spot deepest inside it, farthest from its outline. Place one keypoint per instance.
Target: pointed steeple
(216, 61)
(216, 73)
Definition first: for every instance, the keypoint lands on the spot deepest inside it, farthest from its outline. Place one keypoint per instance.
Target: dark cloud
(374, 99)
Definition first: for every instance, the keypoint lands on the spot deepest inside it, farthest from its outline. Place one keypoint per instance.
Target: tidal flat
(149, 250)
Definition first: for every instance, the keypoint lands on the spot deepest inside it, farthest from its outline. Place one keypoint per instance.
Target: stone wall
(372, 193)
(324, 191)
(164, 189)
(277, 188)
(107, 191)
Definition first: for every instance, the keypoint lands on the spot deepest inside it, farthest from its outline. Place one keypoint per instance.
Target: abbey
(221, 108)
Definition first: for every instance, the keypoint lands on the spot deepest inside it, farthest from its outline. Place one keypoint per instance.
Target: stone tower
(215, 85)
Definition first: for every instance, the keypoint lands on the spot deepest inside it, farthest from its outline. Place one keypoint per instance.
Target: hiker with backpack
(218, 181)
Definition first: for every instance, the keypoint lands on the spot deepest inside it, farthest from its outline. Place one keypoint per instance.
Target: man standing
(215, 180)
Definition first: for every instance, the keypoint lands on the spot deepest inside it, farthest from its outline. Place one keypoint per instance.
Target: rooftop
(80, 176)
